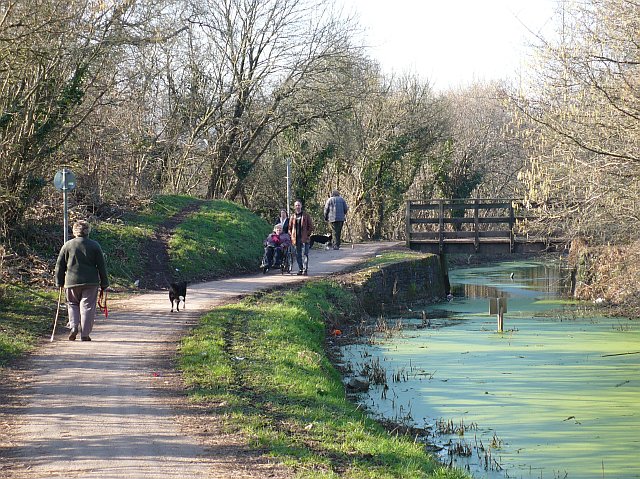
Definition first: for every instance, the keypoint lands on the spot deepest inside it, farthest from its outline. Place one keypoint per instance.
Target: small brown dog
(177, 293)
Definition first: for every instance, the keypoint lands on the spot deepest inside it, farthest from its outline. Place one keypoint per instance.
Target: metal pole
(64, 201)
(288, 185)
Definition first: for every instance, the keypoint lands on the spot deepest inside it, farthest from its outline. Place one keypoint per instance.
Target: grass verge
(25, 316)
(389, 257)
(263, 362)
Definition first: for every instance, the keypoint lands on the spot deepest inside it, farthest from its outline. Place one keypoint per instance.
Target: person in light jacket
(335, 212)
(81, 270)
(300, 229)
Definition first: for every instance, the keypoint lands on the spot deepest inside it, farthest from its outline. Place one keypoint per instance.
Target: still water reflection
(556, 395)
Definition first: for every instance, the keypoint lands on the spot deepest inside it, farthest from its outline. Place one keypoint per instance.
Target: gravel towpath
(112, 408)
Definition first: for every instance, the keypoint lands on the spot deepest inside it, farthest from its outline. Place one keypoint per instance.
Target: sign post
(64, 181)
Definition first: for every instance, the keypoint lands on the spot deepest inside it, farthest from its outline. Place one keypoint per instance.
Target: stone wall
(395, 286)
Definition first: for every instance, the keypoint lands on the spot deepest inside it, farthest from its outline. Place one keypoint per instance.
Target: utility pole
(288, 161)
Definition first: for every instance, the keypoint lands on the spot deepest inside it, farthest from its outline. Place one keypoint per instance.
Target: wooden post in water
(498, 306)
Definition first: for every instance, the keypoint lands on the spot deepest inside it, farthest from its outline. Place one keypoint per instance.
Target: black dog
(323, 239)
(177, 293)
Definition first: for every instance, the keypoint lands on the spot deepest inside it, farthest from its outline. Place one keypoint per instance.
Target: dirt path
(112, 408)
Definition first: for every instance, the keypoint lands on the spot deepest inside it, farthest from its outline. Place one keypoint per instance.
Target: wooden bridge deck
(487, 226)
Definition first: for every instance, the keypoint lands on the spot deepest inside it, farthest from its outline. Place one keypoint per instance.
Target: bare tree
(481, 153)
(45, 67)
(59, 60)
(268, 65)
(381, 145)
(582, 119)
(314, 147)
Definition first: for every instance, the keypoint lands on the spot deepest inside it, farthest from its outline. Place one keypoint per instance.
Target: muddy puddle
(556, 395)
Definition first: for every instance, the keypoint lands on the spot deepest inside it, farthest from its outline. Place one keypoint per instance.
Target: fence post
(408, 224)
(476, 225)
(511, 226)
(441, 226)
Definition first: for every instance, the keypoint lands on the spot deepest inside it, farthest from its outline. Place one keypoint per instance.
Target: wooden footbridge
(486, 226)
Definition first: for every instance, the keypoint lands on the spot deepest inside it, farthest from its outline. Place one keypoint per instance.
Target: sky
(452, 43)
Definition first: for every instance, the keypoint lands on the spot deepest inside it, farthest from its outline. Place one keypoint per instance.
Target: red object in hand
(102, 303)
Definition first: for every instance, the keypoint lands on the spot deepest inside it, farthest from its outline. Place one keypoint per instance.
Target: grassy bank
(26, 315)
(263, 362)
(216, 238)
(219, 239)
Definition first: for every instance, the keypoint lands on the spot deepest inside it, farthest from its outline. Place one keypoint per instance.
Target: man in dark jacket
(335, 212)
(81, 269)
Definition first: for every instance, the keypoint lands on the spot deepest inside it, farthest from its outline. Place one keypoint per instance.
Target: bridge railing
(466, 221)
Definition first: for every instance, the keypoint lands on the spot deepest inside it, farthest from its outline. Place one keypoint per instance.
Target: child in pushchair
(276, 247)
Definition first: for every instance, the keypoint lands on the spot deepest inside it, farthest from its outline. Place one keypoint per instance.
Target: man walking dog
(335, 211)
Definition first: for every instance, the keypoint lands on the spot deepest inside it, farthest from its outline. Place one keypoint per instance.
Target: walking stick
(55, 323)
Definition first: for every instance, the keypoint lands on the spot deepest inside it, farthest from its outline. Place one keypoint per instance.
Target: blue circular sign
(64, 180)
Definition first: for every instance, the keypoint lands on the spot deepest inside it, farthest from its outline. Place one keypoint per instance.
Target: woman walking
(81, 270)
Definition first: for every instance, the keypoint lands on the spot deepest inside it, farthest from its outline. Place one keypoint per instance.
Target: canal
(556, 395)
